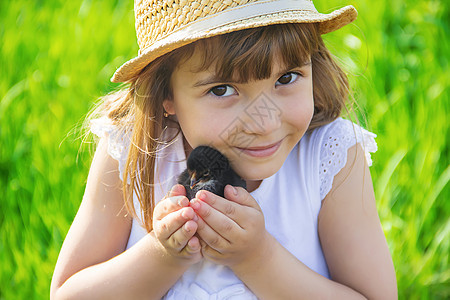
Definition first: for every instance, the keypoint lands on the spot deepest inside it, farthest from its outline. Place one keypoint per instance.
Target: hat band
(238, 13)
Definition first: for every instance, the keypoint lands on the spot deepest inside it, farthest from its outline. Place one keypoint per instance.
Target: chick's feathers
(208, 169)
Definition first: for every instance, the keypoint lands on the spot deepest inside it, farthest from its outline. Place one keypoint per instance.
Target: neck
(252, 185)
(187, 148)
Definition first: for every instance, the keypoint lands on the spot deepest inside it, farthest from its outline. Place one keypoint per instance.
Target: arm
(253, 254)
(350, 232)
(93, 262)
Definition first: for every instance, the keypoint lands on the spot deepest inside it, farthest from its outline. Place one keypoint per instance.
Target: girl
(254, 80)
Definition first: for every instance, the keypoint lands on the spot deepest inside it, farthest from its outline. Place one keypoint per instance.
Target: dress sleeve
(338, 137)
(118, 140)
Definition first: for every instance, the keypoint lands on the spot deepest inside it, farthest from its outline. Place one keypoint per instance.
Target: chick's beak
(194, 182)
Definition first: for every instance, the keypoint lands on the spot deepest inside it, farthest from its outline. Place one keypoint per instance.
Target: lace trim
(118, 141)
(340, 136)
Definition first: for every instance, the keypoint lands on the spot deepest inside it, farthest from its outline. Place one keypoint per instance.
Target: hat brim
(327, 23)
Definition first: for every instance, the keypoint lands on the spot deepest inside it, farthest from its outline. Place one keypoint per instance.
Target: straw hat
(165, 25)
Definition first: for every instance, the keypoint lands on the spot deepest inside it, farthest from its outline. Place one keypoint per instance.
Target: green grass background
(56, 58)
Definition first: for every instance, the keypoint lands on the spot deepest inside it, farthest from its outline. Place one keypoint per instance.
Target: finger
(172, 222)
(212, 236)
(177, 190)
(193, 246)
(231, 209)
(168, 205)
(211, 254)
(179, 239)
(241, 196)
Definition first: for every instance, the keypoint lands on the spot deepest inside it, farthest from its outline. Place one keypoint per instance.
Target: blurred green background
(56, 58)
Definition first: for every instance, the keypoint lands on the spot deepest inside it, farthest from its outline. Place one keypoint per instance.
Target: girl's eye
(287, 78)
(222, 91)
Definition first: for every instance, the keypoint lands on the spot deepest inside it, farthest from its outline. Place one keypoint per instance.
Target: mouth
(262, 151)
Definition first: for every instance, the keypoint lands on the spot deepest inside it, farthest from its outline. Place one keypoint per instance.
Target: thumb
(240, 196)
(177, 190)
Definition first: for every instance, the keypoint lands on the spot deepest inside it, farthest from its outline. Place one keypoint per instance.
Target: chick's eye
(206, 174)
(287, 78)
(222, 90)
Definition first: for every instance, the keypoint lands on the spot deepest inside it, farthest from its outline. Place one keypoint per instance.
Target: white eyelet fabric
(118, 141)
(335, 144)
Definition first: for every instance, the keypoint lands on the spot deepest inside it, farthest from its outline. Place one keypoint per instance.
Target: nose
(262, 115)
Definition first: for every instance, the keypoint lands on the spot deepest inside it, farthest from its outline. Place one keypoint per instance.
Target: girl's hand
(232, 230)
(174, 226)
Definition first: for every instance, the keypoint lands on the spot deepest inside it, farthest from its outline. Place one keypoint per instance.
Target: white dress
(298, 187)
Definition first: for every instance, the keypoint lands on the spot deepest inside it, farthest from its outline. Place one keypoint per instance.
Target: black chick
(208, 169)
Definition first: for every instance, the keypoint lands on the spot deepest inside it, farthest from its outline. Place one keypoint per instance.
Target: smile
(261, 151)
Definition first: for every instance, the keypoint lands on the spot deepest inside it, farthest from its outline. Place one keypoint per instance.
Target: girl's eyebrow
(208, 80)
(213, 79)
(287, 69)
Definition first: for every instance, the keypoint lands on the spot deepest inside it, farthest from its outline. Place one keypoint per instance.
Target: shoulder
(104, 168)
(116, 138)
(343, 133)
(104, 188)
(330, 144)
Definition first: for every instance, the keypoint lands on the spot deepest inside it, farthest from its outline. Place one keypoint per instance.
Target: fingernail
(201, 195)
(172, 191)
(234, 190)
(180, 202)
(184, 214)
(194, 204)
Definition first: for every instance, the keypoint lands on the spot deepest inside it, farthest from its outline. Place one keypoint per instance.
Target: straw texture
(162, 26)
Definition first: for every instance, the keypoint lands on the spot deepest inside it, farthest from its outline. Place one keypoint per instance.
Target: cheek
(202, 126)
(299, 111)
(306, 111)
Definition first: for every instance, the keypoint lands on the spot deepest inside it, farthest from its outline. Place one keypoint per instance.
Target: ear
(169, 106)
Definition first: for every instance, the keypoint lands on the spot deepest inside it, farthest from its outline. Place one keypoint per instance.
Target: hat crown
(156, 19)
(165, 25)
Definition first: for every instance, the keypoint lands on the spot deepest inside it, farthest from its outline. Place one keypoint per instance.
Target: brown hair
(242, 55)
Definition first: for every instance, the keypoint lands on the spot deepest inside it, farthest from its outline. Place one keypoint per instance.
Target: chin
(257, 173)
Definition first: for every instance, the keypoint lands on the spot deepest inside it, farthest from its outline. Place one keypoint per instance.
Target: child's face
(255, 124)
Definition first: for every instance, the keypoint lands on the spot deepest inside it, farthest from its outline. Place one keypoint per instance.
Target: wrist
(171, 260)
(259, 258)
